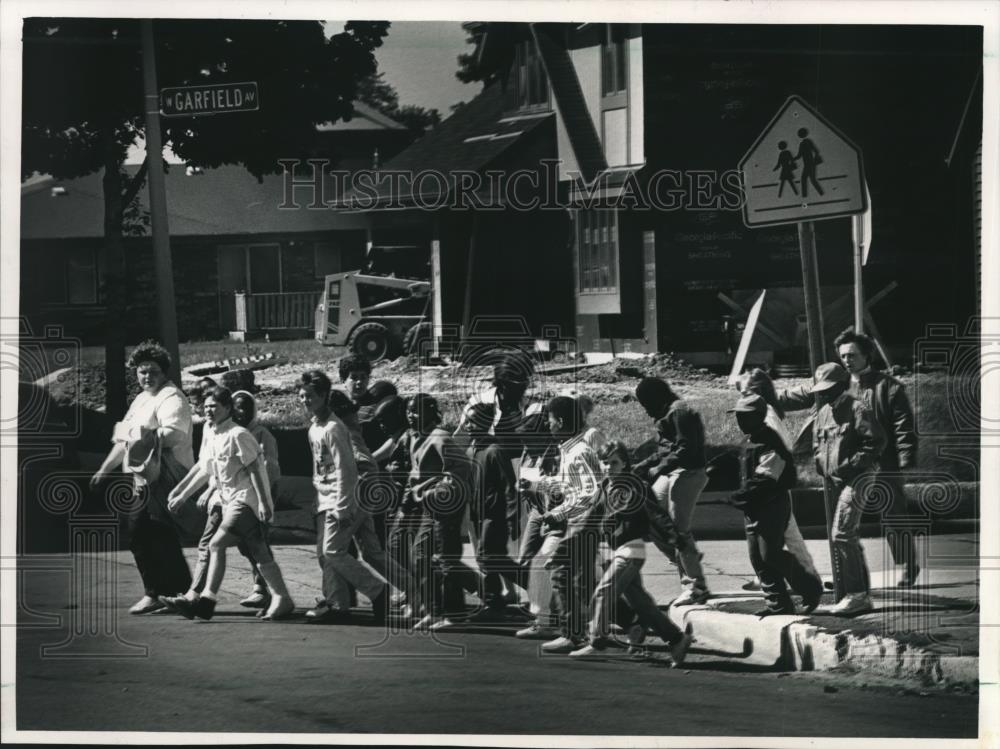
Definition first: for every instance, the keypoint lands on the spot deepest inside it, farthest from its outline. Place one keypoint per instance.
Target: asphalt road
(236, 673)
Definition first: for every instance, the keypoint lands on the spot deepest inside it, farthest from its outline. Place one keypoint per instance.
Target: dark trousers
(494, 559)
(441, 575)
(900, 544)
(765, 528)
(156, 546)
(573, 571)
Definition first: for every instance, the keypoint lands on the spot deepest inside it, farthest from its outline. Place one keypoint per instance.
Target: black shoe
(203, 608)
(331, 616)
(774, 612)
(488, 615)
(810, 602)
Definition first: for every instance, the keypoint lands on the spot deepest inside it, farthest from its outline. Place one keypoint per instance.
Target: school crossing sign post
(802, 169)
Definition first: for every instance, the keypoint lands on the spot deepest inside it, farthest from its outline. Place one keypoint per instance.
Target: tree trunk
(114, 340)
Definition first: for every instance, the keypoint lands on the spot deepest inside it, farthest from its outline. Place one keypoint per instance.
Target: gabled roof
(365, 118)
(474, 138)
(223, 201)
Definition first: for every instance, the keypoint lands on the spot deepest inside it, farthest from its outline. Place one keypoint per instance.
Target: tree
(486, 63)
(380, 94)
(82, 107)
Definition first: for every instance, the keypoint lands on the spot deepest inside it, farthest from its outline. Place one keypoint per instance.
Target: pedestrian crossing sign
(801, 168)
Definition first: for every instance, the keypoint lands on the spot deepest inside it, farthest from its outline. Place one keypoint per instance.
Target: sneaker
(752, 585)
(679, 650)
(616, 629)
(691, 597)
(909, 577)
(319, 610)
(280, 608)
(441, 624)
(398, 600)
(258, 599)
(853, 604)
(146, 605)
(561, 645)
(588, 651)
(328, 616)
(537, 632)
(425, 624)
(170, 603)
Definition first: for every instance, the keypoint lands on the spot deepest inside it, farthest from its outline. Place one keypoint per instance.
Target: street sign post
(188, 101)
(801, 169)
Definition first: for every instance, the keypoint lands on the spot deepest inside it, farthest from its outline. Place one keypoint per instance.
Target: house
(682, 103)
(243, 260)
(648, 123)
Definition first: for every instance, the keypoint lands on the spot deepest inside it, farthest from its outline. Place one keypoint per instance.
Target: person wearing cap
(677, 473)
(758, 382)
(885, 397)
(847, 443)
(335, 477)
(768, 474)
(162, 413)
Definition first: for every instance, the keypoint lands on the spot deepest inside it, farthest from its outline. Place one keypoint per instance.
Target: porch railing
(286, 310)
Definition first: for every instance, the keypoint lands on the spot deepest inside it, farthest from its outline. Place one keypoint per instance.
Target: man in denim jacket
(847, 443)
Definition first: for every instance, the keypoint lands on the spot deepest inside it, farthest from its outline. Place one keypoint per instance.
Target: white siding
(616, 136)
(636, 150)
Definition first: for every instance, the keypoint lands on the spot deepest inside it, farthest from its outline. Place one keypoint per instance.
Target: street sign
(801, 168)
(187, 101)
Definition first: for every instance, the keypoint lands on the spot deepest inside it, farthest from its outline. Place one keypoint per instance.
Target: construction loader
(379, 317)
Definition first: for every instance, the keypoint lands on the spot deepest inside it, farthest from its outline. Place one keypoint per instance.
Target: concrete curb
(793, 643)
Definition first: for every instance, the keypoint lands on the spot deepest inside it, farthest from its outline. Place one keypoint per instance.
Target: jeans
(531, 543)
(573, 569)
(340, 569)
(765, 528)
(440, 573)
(849, 556)
(678, 493)
(623, 579)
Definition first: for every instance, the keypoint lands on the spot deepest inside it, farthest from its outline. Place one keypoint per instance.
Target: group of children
(397, 494)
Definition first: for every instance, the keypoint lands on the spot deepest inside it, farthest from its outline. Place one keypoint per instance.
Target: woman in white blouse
(163, 409)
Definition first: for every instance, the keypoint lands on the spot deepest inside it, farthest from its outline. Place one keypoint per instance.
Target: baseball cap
(829, 375)
(749, 404)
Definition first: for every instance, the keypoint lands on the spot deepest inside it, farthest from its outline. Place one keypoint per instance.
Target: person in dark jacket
(441, 484)
(886, 398)
(624, 524)
(847, 443)
(769, 472)
(493, 503)
(677, 473)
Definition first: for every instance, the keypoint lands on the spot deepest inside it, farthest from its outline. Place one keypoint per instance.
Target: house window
(81, 278)
(70, 277)
(531, 90)
(254, 268)
(597, 243)
(614, 74)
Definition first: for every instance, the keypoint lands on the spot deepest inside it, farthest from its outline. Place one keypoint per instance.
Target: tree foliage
(380, 94)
